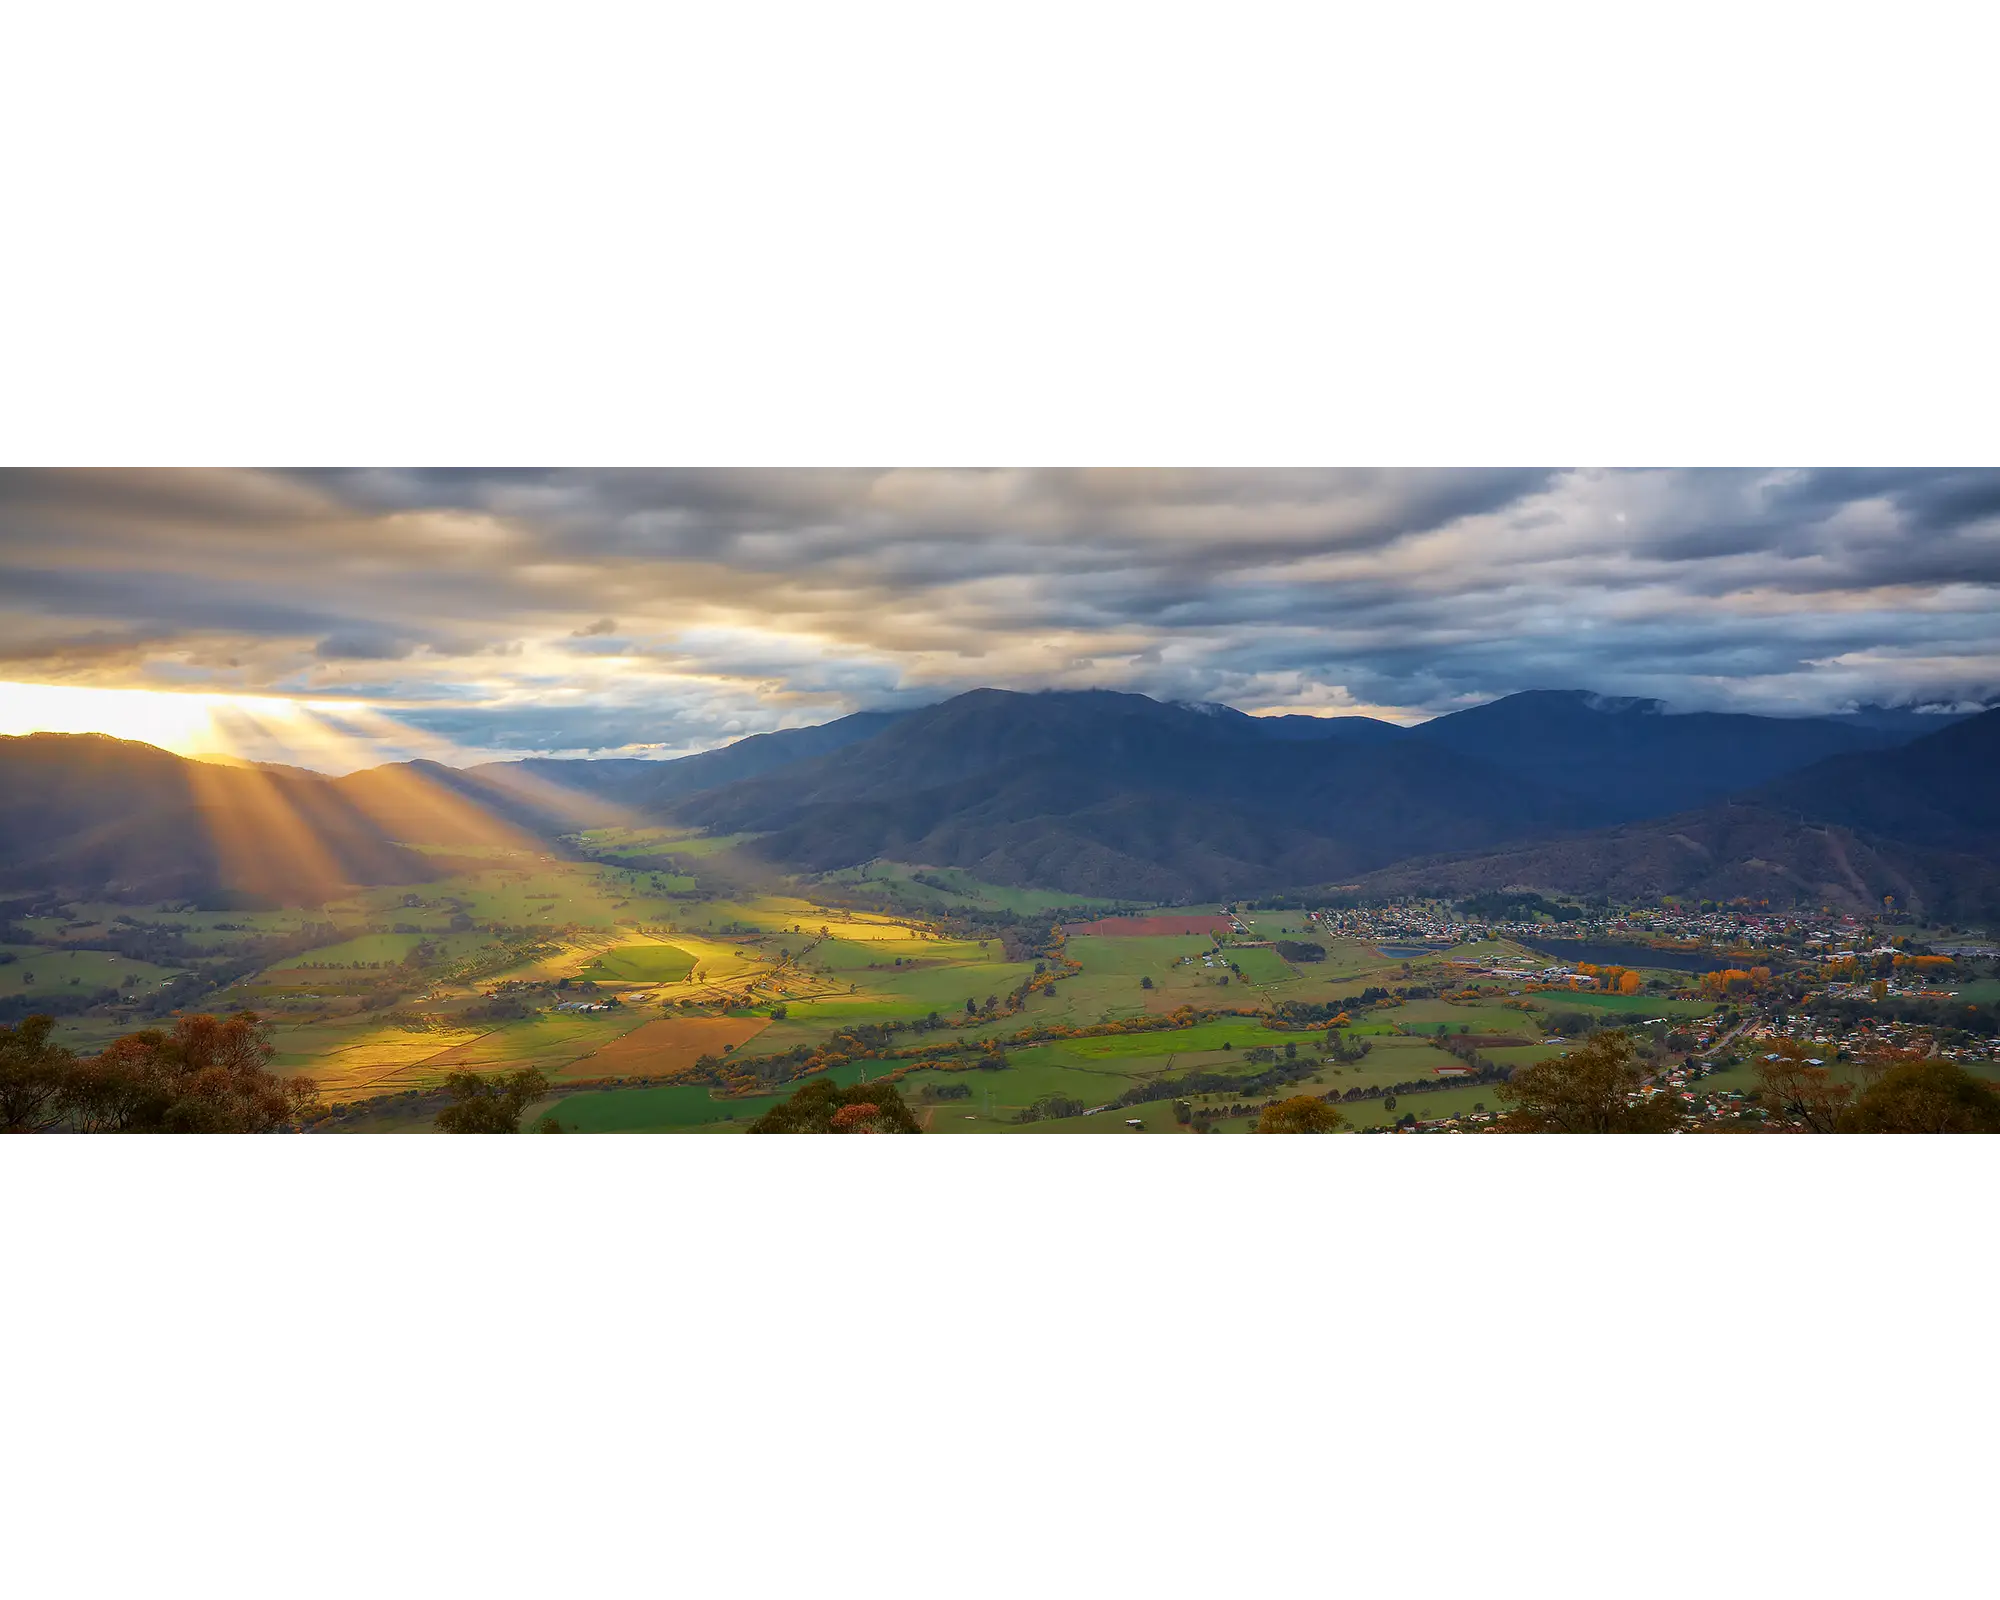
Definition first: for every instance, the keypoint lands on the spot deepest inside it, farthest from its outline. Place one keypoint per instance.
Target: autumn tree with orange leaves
(205, 1075)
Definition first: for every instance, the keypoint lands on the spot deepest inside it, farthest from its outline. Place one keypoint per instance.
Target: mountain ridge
(1098, 792)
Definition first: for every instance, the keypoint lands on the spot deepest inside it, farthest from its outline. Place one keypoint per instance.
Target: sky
(340, 617)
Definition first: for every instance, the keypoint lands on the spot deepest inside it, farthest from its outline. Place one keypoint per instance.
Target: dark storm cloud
(582, 610)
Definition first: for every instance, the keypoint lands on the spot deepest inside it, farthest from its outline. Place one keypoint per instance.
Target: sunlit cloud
(333, 617)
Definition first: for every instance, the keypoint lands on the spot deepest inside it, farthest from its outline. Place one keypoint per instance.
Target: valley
(1006, 907)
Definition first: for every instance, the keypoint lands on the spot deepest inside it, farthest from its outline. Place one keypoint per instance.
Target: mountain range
(1105, 794)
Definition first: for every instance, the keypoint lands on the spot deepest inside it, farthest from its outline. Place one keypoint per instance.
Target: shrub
(817, 1106)
(1303, 1113)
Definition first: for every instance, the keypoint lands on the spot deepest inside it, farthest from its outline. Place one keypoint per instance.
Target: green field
(666, 1108)
(1157, 1116)
(686, 843)
(1262, 966)
(40, 969)
(1629, 1004)
(1522, 1055)
(1241, 1033)
(654, 1110)
(913, 992)
(1464, 1016)
(1152, 955)
(640, 963)
(365, 949)
(962, 889)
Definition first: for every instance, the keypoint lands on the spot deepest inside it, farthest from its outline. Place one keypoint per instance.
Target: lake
(1605, 952)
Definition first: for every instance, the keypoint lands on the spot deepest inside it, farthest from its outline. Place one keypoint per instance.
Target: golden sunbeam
(416, 806)
(506, 783)
(263, 844)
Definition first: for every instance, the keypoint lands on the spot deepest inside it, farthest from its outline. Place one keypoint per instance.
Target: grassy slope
(55, 970)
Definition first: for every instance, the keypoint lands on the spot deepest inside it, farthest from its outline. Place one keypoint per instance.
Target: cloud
(473, 603)
(363, 645)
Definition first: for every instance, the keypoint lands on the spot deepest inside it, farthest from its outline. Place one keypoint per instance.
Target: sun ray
(263, 845)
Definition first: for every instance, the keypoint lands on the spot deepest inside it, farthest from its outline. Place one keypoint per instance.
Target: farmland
(642, 961)
(659, 985)
(37, 969)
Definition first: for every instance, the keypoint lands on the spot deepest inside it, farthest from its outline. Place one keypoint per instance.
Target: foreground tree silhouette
(1587, 1091)
(823, 1106)
(1925, 1097)
(208, 1075)
(490, 1105)
(1303, 1113)
(33, 1074)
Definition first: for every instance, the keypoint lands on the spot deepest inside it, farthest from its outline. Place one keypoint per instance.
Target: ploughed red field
(1148, 927)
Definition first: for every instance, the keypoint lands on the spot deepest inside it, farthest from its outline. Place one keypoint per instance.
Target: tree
(33, 1076)
(1303, 1113)
(207, 1075)
(1590, 1090)
(1800, 1090)
(1050, 1106)
(1925, 1097)
(1145, 983)
(490, 1105)
(818, 1106)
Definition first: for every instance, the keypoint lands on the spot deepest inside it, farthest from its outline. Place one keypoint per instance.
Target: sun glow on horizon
(332, 735)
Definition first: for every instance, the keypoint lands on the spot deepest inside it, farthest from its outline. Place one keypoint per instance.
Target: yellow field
(549, 1042)
(379, 1060)
(714, 961)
